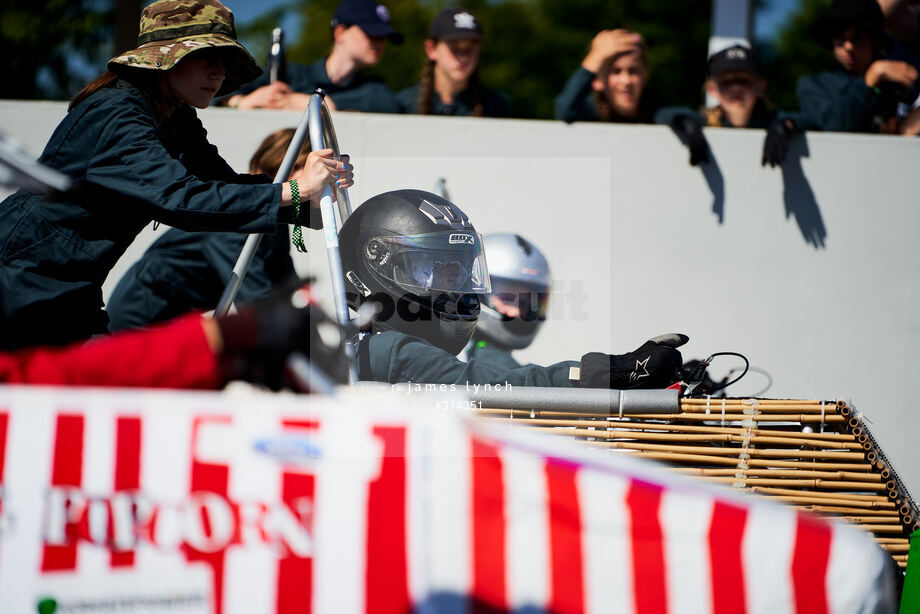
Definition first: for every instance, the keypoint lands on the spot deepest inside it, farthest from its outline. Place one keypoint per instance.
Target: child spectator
(450, 79)
(360, 30)
(736, 83)
(608, 85)
(863, 95)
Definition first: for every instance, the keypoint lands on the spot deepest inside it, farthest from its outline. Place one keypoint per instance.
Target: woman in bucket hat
(134, 144)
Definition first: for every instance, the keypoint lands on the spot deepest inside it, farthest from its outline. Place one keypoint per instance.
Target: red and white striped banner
(127, 501)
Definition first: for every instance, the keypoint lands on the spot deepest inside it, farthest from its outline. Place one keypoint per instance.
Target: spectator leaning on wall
(360, 31)
(735, 81)
(609, 84)
(866, 93)
(450, 82)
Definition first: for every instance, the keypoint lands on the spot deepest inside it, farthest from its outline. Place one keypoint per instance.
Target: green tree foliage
(256, 34)
(795, 53)
(53, 46)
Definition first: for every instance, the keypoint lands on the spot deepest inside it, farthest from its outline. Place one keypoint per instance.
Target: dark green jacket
(493, 103)
(185, 271)
(54, 256)
(836, 101)
(394, 357)
(576, 102)
(361, 93)
(486, 352)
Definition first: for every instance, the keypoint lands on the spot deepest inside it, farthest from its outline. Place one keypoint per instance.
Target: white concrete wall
(811, 272)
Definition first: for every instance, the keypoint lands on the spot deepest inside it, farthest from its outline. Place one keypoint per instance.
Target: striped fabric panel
(685, 520)
(66, 470)
(488, 545)
(767, 552)
(526, 535)
(606, 542)
(643, 500)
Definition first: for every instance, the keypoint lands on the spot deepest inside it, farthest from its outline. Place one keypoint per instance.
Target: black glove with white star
(656, 364)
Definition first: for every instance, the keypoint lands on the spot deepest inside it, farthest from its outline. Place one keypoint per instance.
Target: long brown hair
(144, 80)
(269, 155)
(427, 90)
(714, 116)
(604, 110)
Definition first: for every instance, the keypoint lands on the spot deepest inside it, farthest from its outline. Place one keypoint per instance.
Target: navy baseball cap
(735, 58)
(370, 16)
(453, 24)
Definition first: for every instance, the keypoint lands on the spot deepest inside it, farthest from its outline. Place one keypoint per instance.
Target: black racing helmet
(418, 256)
(519, 273)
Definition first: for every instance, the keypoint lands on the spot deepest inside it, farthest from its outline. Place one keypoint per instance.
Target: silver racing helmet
(513, 313)
(420, 259)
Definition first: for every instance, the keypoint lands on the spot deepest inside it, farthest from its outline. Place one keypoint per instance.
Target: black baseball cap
(453, 24)
(864, 14)
(737, 58)
(370, 16)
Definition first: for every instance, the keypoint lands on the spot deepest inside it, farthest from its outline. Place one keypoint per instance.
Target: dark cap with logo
(736, 58)
(453, 24)
(372, 17)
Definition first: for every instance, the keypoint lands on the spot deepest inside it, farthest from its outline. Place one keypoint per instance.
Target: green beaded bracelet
(297, 235)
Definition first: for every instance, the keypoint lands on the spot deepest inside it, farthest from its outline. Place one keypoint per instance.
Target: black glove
(776, 144)
(258, 340)
(689, 130)
(656, 364)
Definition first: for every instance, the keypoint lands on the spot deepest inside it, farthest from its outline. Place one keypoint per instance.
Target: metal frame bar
(252, 242)
(322, 135)
(600, 401)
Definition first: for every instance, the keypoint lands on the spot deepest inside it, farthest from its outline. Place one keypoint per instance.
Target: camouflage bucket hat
(171, 29)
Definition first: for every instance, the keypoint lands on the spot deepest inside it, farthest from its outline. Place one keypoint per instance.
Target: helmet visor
(520, 301)
(431, 263)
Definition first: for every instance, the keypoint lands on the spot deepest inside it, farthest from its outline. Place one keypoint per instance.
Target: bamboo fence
(815, 455)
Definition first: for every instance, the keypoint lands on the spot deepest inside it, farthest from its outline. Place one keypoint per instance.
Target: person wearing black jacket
(450, 82)
(132, 140)
(184, 271)
(418, 259)
(863, 94)
(360, 31)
